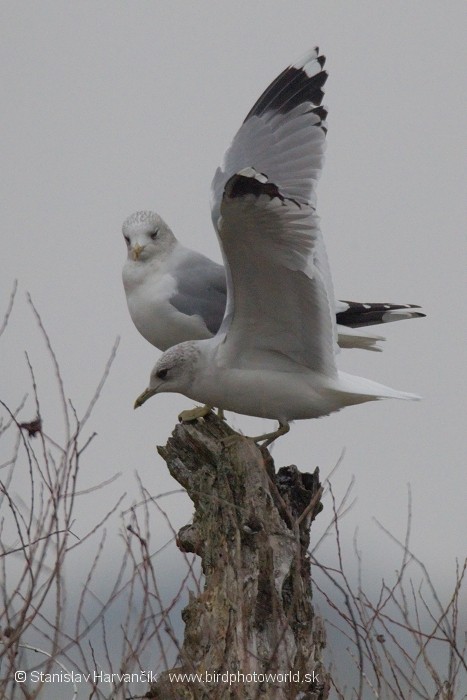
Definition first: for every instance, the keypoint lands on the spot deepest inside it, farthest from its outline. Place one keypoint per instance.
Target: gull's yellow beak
(147, 393)
(136, 251)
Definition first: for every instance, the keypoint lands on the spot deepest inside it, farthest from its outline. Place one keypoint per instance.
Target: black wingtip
(302, 82)
(358, 315)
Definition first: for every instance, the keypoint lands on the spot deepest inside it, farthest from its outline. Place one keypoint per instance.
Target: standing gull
(176, 294)
(274, 355)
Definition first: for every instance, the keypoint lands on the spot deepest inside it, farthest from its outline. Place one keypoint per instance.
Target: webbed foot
(194, 413)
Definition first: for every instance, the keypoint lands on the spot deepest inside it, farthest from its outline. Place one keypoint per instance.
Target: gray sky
(116, 106)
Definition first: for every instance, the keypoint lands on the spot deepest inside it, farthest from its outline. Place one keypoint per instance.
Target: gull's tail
(353, 389)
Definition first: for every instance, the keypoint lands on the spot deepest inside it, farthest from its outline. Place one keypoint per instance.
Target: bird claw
(260, 440)
(194, 413)
(268, 438)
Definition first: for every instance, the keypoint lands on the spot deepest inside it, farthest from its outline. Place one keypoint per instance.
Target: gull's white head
(173, 372)
(147, 236)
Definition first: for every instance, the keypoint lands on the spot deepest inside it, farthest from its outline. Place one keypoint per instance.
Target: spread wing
(283, 134)
(280, 298)
(280, 308)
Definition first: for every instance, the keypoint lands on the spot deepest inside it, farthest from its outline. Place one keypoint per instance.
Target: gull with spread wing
(274, 355)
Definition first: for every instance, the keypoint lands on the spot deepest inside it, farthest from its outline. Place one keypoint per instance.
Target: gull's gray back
(201, 289)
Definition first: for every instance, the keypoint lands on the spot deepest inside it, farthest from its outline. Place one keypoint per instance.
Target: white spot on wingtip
(396, 316)
(305, 62)
(251, 172)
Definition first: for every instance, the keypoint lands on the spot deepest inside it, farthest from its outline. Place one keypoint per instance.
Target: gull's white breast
(148, 297)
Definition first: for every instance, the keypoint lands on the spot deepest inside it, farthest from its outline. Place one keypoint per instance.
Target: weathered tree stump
(252, 633)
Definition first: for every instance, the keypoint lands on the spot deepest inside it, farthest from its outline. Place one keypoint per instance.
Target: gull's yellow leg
(266, 439)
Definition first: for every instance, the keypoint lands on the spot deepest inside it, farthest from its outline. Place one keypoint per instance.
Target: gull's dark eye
(127, 239)
(154, 234)
(162, 373)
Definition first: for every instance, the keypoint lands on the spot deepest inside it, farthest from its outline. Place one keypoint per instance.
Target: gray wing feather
(283, 137)
(201, 291)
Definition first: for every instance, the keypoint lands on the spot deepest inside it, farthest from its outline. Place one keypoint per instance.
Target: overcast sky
(112, 107)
